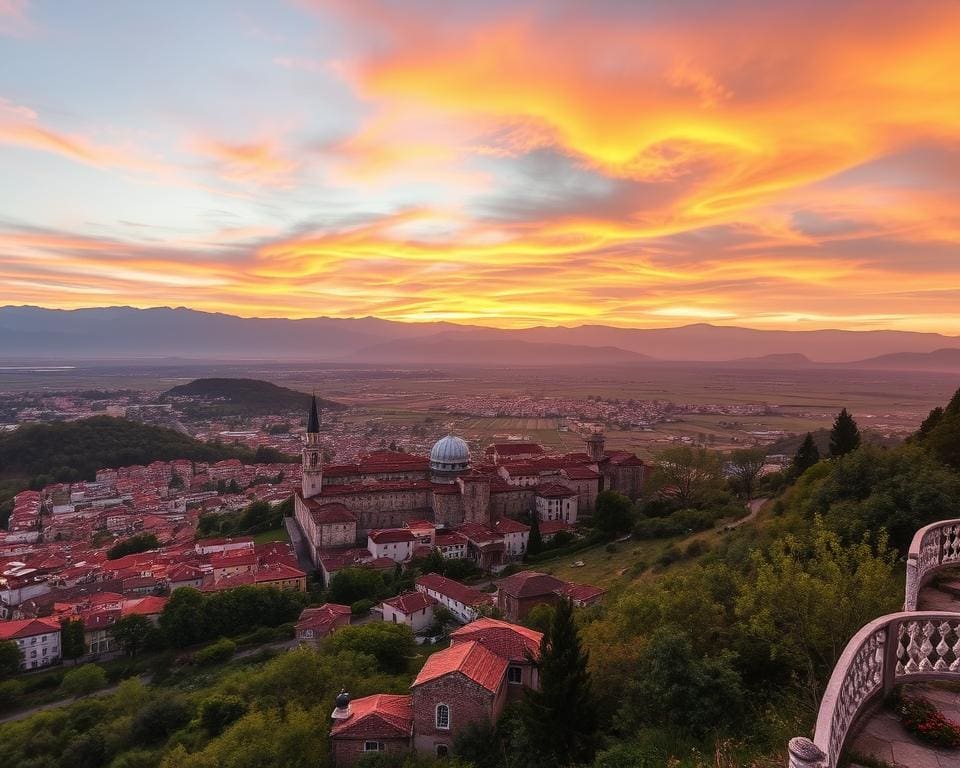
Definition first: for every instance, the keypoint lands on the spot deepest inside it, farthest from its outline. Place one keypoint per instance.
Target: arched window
(443, 716)
(443, 750)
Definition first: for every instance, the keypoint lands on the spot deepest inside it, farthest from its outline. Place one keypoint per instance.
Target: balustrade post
(891, 648)
(805, 754)
(911, 591)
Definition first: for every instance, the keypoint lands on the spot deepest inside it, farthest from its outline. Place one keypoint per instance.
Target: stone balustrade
(934, 547)
(907, 647)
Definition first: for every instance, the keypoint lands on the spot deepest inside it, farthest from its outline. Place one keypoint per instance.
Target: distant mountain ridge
(124, 332)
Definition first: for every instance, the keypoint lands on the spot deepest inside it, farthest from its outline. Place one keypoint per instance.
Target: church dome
(450, 454)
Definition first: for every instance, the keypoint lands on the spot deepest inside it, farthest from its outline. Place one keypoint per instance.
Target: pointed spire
(313, 425)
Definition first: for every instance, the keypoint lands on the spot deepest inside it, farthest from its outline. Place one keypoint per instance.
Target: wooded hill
(75, 450)
(248, 397)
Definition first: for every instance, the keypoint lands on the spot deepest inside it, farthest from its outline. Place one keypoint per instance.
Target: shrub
(215, 653)
(217, 712)
(159, 719)
(611, 548)
(361, 607)
(10, 692)
(670, 555)
(84, 680)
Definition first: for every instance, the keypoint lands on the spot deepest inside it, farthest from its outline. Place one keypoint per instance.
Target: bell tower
(595, 444)
(312, 457)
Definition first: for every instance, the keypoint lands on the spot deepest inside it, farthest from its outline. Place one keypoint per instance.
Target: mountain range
(37, 333)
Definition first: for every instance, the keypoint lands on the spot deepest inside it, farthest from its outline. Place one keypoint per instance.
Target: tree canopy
(845, 435)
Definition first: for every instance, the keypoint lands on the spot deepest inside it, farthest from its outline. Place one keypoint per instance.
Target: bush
(217, 712)
(669, 556)
(159, 719)
(389, 644)
(215, 653)
(10, 693)
(361, 607)
(696, 548)
(611, 548)
(84, 680)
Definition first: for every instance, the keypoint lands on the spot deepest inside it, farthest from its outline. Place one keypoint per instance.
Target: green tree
(940, 432)
(9, 658)
(676, 687)
(161, 716)
(83, 680)
(352, 584)
(73, 643)
(540, 617)
(845, 435)
(142, 542)
(534, 540)
(134, 634)
(219, 711)
(745, 466)
(215, 653)
(561, 718)
(613, 513)
(390, 644)
(183, 619)
(806, 456)
(685, 474)
(176, 482)
(810, 597)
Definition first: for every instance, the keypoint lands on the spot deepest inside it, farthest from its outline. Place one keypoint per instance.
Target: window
(373, 746)
(443, 716)
(443, 750)
(514, 675)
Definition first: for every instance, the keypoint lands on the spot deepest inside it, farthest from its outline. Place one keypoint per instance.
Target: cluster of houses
(39, 591)
(161, 498)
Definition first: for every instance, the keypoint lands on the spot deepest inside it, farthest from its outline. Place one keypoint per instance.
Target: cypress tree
(845, 435)
(560, 719)
(806, 456)
(535, 541)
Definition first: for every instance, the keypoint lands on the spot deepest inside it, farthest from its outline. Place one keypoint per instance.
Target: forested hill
(249, 396)
(75, 450)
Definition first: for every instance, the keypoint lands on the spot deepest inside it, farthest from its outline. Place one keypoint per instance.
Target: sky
(630, 163)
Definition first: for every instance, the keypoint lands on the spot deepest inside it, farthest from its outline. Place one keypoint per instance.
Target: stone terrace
(882, 738)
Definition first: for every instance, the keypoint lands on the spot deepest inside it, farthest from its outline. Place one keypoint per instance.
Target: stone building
(338, 506)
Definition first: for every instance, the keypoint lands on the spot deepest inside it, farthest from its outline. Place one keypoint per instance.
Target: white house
(37, 639)
(396, 543)
(515, 536)
(415, 609)
(464, 602)
(556, 502)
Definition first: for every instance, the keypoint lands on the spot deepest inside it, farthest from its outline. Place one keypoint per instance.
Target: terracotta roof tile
(470, 659)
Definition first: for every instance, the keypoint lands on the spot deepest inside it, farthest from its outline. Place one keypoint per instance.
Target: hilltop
(248, 396)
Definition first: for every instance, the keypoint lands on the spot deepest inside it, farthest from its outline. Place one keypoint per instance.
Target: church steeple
(312, 482)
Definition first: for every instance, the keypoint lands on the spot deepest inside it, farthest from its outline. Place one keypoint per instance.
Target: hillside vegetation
(247, 397)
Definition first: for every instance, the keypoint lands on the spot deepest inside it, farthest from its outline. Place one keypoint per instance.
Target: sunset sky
(775, 165)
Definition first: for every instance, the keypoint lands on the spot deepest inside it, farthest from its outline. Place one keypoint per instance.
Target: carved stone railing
(898, 648)
(934, 547)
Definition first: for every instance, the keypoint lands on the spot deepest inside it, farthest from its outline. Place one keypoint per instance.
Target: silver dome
(450, 454)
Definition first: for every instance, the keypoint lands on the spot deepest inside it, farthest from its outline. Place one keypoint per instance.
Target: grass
(274, 534)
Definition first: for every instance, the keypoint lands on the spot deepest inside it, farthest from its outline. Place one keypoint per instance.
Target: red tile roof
(507, 525)
(391, 535)
(321, 619)
(550, 527)
(581, 473)
(530, 584)
(510, 641)
(144, 606)
(452, 589)
(470, 659)
(331, 512)
(515, 449)
(10, 630)
(411, 602)
(554, 491)
(449, 540)
(582, 593)
(382, 716)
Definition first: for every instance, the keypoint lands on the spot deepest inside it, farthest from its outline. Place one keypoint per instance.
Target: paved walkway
(884, 739)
